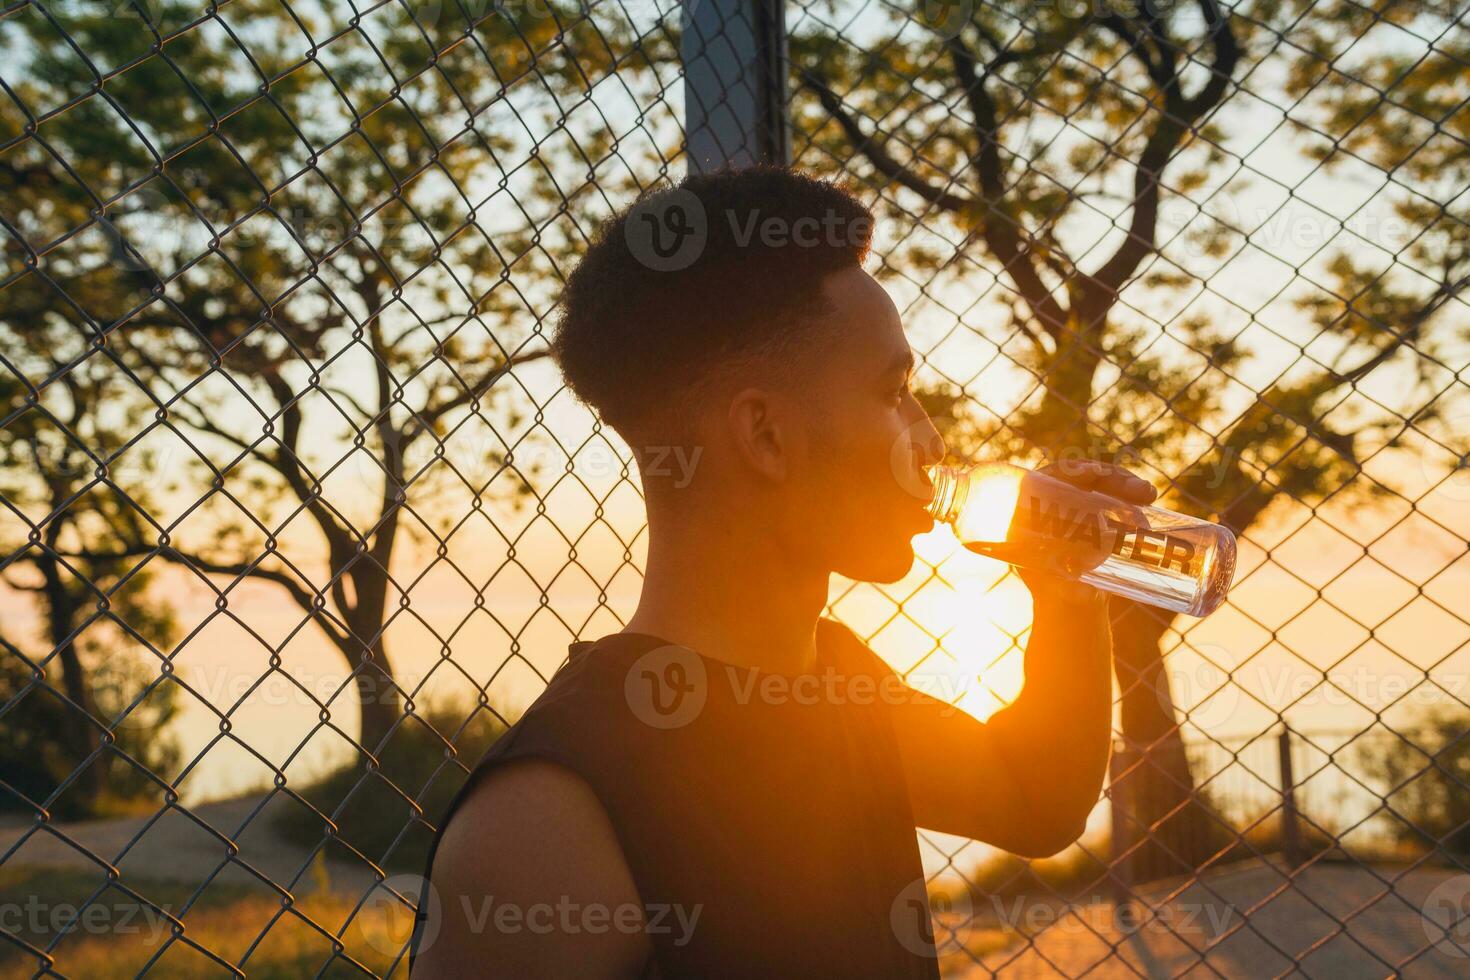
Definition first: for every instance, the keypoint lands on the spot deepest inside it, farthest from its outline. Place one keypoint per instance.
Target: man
(730, 786)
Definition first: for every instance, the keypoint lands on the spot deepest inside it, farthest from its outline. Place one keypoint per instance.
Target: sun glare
(977, 617)
(990, 504)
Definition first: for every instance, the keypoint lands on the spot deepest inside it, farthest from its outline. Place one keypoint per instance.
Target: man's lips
(923, 504)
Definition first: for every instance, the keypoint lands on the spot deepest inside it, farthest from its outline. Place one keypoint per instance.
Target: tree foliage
(1072, 184)
(317, 234)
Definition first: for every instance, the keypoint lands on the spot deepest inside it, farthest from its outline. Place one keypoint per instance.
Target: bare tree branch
(306, 600)
(1138, 45)
(427, 418)
(1002, 231)
(1177, 117)
(1410, 333)
(341, 543)
(876, 153)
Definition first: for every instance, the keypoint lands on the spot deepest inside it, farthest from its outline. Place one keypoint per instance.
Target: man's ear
(757, 432)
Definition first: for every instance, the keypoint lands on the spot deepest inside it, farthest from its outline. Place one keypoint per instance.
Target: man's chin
(882, 567)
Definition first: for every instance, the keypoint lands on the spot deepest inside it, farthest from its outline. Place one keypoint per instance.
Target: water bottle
(1033, 520)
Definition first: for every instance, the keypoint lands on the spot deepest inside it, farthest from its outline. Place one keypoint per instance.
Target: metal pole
(735, 67)
(1291, 841)
(1120, 870)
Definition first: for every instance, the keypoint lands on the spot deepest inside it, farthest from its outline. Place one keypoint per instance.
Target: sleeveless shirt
(765, 819)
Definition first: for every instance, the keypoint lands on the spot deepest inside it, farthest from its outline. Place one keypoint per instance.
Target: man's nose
(929, 447)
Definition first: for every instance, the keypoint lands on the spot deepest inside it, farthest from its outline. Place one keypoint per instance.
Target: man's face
(861, 487)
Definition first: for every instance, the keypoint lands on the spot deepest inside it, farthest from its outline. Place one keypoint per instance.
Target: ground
(1340, 921)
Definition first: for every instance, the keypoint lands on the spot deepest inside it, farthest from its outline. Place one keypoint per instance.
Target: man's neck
(732, 596)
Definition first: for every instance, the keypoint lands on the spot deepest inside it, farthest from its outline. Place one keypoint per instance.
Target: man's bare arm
(1026, 779)
(531, 883)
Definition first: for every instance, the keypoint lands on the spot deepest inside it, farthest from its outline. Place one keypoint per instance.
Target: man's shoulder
(532, 833)
(847, 652)
(531, 797)
(593, 671)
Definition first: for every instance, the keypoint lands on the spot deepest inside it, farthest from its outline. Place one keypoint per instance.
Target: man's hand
(1027, 778)
(1104, 478)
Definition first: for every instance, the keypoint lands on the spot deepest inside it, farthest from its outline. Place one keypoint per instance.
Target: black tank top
(774, 808)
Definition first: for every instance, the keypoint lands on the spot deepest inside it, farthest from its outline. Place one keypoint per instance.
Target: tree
(1423, 775)
(1042, 144)
(75, 720)
(315, 232)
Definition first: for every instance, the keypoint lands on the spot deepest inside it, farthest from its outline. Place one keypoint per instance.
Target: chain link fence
(296, 516)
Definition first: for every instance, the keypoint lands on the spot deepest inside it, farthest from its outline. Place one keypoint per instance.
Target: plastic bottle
(1033, 520)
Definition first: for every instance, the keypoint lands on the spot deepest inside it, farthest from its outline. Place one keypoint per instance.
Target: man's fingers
(1127, 486)
(1079, 472)
(1108, 478)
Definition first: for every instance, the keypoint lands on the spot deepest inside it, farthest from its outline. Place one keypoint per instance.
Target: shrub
(377, 810)
(1425, 780)
(35, 758)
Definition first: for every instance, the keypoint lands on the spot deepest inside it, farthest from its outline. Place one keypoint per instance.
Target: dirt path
(1339, 921)
(175, 846)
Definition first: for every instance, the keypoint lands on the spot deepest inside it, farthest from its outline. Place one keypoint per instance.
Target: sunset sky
(955, 639)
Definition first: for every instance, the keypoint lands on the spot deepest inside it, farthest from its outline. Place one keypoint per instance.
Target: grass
(372, 809)
(123, 926)
(964, 905)
(253, 928)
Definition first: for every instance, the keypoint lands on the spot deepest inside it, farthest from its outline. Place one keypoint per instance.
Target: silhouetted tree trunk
(1157, 788)
(81, 737)
(377, 692)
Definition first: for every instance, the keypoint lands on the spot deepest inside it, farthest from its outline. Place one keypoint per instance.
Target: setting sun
(980, 616)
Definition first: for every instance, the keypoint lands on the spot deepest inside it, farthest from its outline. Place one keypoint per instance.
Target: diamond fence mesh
(297, 516)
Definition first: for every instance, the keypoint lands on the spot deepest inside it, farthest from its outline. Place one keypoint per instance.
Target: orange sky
(974, 613)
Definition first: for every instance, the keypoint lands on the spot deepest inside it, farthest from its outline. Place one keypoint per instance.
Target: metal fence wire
(297, 516)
